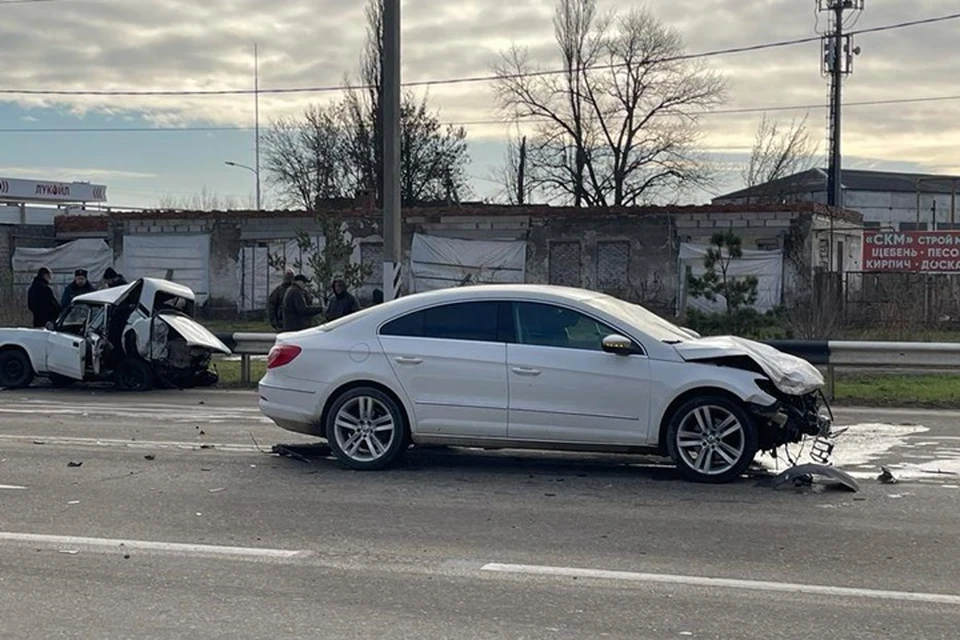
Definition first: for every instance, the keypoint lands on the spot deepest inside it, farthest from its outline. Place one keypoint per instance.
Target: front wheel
(711, 439)
(134, 374)
(16, 372)
(366, 429)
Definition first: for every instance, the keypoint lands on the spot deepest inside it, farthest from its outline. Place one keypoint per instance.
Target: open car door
(66, 347)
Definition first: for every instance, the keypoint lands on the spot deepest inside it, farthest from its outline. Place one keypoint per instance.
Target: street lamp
(251, 170)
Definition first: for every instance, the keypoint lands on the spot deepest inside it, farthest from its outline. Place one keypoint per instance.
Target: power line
(454, 81)
(467, 123)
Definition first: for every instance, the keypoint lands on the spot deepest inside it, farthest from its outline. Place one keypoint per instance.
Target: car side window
(74, 320)
(477, 321)
(546, 325)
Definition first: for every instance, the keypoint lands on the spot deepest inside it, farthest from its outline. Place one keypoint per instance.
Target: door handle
(526, 371)
(408, 360)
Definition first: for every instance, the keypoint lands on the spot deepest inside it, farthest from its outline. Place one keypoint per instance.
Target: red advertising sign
(916, 251)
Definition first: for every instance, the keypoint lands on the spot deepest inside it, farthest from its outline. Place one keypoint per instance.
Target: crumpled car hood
(790, 374)
(194, 333)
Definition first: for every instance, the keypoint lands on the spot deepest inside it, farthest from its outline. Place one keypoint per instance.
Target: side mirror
(618, 345)
(49, 326)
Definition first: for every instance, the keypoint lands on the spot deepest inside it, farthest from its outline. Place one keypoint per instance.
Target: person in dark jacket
(79, 286)
(41, 300)
(275, 301)
(297, 312)
(342, 303)
(113, 279)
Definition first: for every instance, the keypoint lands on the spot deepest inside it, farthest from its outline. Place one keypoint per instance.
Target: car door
(66, 347)
(451, 363)
(565, 388)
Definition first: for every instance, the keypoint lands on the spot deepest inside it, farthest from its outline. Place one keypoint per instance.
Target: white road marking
(11, 486)
(100, 544)
(722, 583)
(132, 444)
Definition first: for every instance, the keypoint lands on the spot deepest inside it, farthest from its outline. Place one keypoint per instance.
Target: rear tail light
(282, 354)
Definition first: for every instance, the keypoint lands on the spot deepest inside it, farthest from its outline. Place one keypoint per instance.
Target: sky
(118, 45)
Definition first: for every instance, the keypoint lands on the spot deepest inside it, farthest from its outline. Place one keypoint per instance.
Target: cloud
(69, 174)
(184, 44)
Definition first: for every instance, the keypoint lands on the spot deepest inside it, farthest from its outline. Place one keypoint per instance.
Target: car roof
(150, 287)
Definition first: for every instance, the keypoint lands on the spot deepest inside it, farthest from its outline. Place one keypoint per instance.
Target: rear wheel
(134, 374)
(711, 439)
(366, 429)
(16, 372)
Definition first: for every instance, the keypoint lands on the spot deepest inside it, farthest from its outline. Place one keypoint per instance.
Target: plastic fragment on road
(804, 474)
(886, 476)
(75, 463)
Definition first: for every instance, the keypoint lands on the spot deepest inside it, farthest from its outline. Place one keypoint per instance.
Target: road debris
(284, 450)
(218, 490)
(804, 475)
(75, 463)
(886, 476)
(74, 502)
(149, 456)
(69, 552)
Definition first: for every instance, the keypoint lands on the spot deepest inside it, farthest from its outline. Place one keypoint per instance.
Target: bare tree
(620, 125)
(513, 175)
(206, 200)
(779, 151)
(304, 157)
(433, 156)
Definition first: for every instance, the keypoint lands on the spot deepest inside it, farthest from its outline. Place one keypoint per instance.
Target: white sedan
(537, 367)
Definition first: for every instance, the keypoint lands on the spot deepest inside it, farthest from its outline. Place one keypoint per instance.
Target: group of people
(42, 300)
(290, 304)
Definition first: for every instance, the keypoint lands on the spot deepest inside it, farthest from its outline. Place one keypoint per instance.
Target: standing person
(79, 286)
(342, 303)
(297, 312)
(113, 279)
(275, 301)
(41, 300)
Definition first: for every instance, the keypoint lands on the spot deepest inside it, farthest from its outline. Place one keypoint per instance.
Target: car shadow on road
(480, 463)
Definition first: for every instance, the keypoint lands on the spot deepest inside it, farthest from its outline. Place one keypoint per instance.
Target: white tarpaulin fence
(438, 263)
(92, 254)
(258, 277)
(765, 266)
(154, 256)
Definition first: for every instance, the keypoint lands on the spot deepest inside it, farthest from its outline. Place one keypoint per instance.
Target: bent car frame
(539, 367)
(137, 335)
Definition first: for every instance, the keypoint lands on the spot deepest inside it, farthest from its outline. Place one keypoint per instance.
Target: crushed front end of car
(800, 411)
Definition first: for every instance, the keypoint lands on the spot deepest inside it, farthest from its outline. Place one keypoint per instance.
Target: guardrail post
(831, 383)
(245, 368)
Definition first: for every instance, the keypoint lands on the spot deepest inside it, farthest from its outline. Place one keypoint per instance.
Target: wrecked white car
(138, 336)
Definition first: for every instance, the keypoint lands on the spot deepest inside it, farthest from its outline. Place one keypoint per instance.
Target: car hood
(790, 374)
(194, 333)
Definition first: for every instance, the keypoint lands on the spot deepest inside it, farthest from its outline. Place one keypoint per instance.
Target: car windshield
(639, 318)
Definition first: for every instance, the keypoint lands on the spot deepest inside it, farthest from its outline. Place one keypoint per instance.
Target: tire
(59, 381)
(711, 439)
(366, 429)
(16, 372)
(134, 374)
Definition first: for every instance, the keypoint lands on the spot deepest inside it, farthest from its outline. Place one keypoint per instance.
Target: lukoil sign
(49, 191)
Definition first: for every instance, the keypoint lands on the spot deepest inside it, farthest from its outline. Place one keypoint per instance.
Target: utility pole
(521, 173)
(390, 106)
(838, 55)
(256, 115)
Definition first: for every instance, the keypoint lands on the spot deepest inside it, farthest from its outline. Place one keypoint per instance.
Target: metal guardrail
(823, 353)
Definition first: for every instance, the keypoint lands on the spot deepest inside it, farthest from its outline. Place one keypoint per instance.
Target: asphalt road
(214, 537)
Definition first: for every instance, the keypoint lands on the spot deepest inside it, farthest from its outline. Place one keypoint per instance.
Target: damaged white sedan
(539, 367)
(138, 336)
